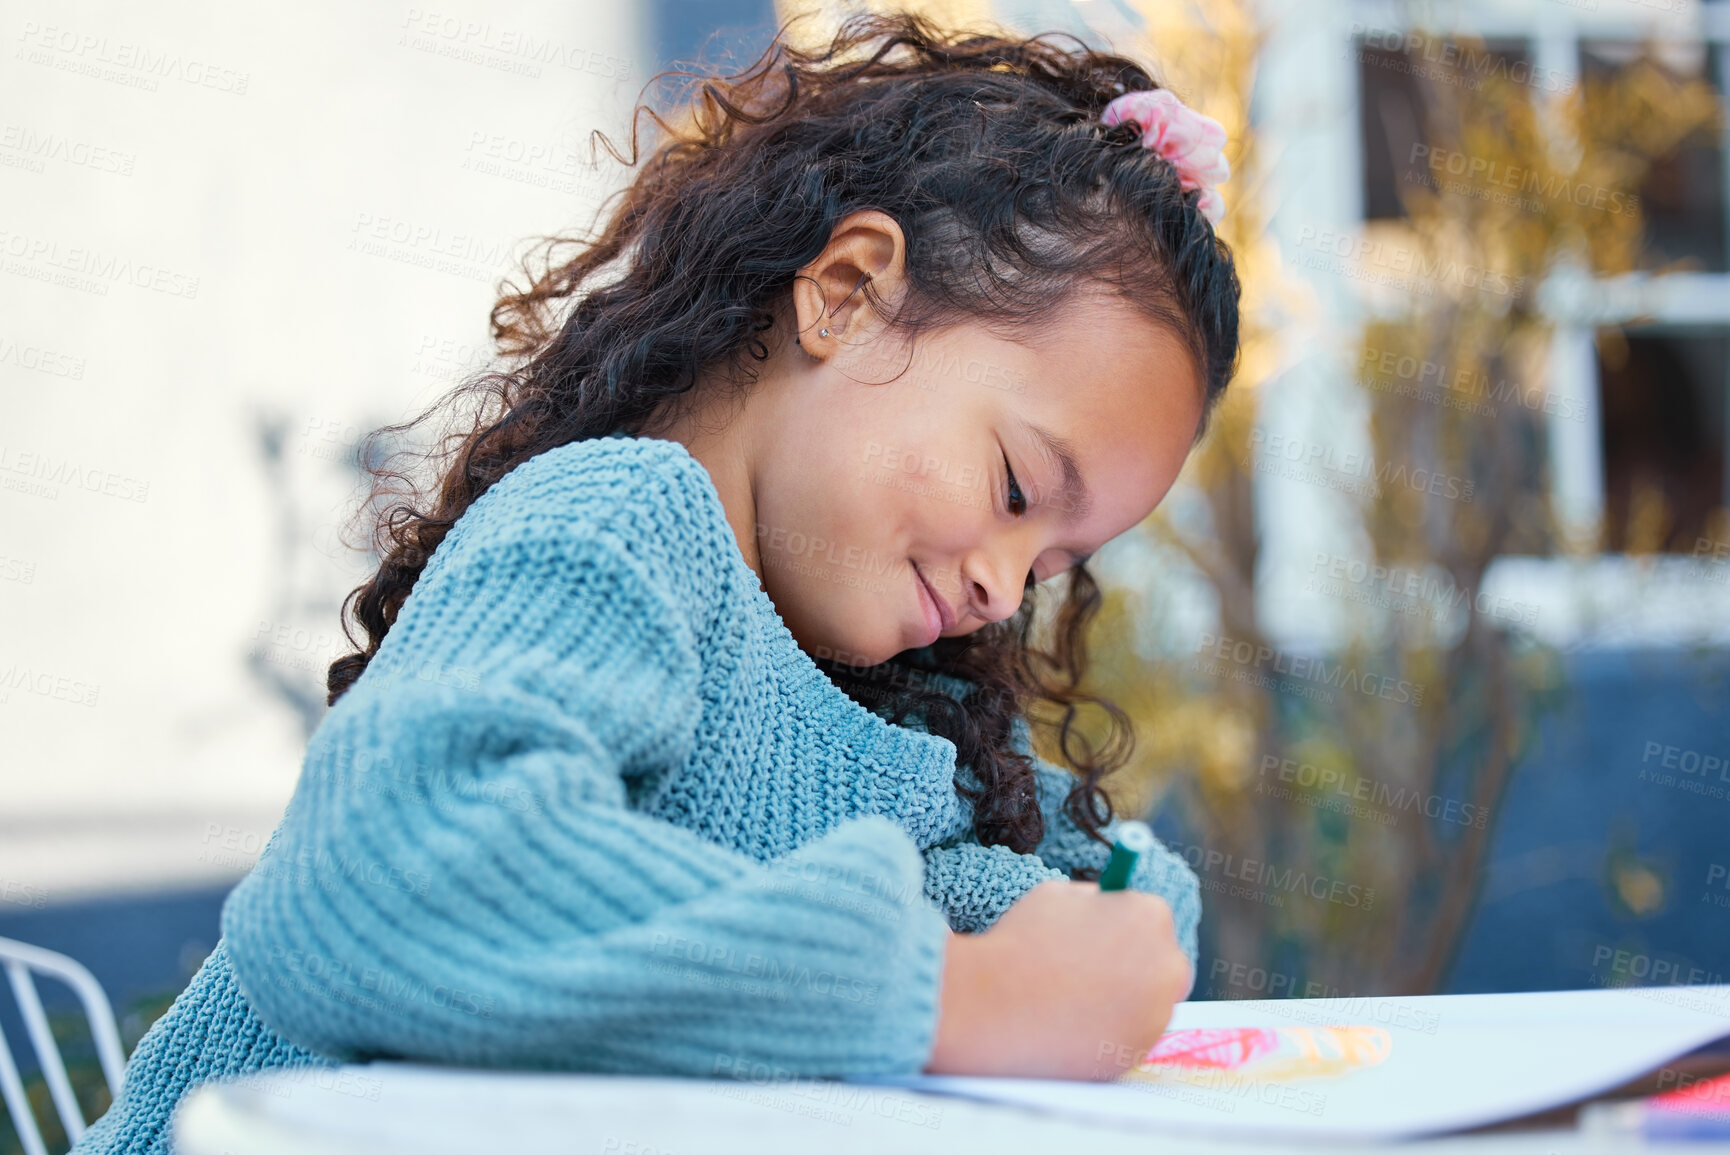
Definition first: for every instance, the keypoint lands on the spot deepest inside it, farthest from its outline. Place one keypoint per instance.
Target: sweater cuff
(870, 952)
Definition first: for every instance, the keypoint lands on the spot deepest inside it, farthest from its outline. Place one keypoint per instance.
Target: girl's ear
(866, 246)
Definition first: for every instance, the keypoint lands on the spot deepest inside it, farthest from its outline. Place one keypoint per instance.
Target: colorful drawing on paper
(1272, 1054)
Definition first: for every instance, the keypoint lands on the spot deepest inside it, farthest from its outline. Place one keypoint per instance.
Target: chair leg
(17, 1103)
(47, 1051)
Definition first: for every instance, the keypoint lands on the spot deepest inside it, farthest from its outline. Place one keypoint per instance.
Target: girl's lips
(937, 614)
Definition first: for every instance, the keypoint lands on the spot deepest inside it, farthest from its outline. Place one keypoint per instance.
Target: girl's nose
(991, 588)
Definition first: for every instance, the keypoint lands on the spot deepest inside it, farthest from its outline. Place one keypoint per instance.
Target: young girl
(689, 734)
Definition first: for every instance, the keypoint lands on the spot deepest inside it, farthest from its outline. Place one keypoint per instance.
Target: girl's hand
(1071, 982)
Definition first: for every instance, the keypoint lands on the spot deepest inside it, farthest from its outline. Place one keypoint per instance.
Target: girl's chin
(856, 652)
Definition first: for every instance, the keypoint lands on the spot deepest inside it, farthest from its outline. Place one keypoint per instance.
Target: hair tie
(1185, 137)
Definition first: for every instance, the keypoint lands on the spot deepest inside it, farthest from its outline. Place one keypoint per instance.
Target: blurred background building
(1430, 672)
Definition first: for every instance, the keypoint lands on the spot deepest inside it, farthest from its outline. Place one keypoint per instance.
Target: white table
(386, 1108)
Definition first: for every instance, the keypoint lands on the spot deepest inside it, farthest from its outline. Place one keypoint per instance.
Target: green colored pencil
(1133, 839)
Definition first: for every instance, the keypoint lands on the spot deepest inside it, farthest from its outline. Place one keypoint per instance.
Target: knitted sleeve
(461, 877)
(975, 884)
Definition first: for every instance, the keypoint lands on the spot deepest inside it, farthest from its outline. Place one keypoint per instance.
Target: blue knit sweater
(590, 807)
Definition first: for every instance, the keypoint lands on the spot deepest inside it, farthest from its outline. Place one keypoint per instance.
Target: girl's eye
(1015, 494)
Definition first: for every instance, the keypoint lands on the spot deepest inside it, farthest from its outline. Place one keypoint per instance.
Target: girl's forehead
(1111, 359)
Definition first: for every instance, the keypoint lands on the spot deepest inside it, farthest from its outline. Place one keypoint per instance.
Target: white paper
(1456, 1061)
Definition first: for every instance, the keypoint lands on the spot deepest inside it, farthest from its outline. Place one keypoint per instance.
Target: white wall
(207, 213)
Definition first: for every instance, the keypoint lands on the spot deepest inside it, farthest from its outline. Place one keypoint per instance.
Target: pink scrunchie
(1185, 137)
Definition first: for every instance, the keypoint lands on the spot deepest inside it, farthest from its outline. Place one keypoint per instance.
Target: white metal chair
(20, 959)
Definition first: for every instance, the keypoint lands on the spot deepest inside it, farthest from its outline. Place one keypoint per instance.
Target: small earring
(822, 332)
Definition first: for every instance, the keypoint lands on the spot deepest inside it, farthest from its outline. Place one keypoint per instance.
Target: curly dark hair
(988, 151)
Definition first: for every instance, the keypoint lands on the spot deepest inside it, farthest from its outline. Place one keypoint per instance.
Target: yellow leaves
(1640, 889)
(1633, 883)
(1203, 735)
(1627, 121)
(1516, 176)
(1227, 748)
(1642, 109)
(1649, 518)
(1222, 453)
